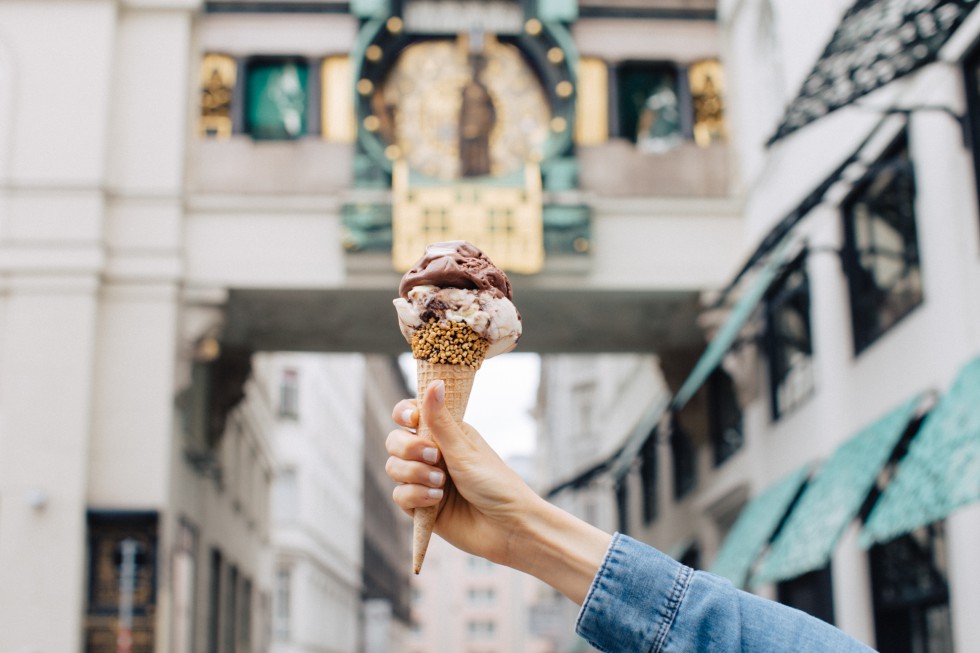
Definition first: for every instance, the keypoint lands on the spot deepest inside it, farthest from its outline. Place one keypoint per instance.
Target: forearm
(558, 549)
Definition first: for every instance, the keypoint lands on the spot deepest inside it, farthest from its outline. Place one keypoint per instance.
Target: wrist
(558, 548)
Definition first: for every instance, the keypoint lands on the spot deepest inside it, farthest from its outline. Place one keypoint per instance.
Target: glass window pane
(649, 108)
(881, 247)
(277, 99)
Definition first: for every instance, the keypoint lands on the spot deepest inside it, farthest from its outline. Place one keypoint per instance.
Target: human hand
(483, 506)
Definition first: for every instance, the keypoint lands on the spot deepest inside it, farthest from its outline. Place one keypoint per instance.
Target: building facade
(316, 500)
(822, 449)
(186, 183)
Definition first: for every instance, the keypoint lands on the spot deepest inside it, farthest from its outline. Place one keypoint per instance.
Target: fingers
(408, 446)
(411, 472)
(409, 497)
(406, 414)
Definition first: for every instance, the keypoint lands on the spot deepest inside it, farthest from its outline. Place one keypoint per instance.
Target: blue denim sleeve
(642, 601)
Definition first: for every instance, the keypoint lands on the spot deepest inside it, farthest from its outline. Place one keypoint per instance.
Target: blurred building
(823, 450)
(387, 533)
(185, 183)
(316, 510)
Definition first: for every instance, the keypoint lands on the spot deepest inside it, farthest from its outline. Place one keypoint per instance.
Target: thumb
(435, 418)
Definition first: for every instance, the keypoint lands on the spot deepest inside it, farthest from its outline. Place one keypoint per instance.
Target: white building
(317, 509)
(794, 457)
(160, 223)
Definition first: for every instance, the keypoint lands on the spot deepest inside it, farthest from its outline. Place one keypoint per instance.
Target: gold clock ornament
(465, 107)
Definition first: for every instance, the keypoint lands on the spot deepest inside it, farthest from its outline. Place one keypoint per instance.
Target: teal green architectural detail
(755, 527)
(370, 8)
(941, 471)
(729, 331)
(565, 11)
(834, 497)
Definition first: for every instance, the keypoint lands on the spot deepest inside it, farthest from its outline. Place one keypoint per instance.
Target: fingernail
(435, 478)
(440, 391)
(407, 416)
(430, 455)
(434, 493)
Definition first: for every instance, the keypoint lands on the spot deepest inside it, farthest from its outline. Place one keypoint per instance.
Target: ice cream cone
(455, 307)
(459, 381)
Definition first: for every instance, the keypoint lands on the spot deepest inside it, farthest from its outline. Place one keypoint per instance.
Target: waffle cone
(459, 381)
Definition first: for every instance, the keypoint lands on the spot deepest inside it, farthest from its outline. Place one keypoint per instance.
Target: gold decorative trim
(504, 221)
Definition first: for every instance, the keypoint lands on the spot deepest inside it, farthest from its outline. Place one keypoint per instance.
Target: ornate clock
(464, 105)
(467, 106)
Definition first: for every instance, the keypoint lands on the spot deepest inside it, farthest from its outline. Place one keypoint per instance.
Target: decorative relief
(877, 41)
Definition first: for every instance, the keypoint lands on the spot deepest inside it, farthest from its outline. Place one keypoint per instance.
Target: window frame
(971, 69)
(311, 105)
(685, 105)
(895, 159)
(722, 396)
(684, 460)
(650, 475)
(777, 298)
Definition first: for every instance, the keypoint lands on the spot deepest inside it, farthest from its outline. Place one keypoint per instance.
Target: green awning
(833, 498)
(755, 527)
(941, 471)
(726, 335)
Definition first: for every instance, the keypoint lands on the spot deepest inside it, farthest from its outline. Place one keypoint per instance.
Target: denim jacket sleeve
(642, 601)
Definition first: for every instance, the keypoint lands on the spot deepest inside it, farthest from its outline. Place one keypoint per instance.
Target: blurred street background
(743, 235)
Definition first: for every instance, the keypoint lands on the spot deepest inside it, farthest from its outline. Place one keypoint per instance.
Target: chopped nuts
(452, 343)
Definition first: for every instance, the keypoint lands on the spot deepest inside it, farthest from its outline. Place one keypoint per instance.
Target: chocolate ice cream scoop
(456, 264)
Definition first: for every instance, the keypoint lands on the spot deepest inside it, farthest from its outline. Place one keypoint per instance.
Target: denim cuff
(634, 598)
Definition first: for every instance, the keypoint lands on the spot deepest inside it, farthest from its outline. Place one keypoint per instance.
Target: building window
(649, 105)
(971, 76)
(911, 596)
(245, 621)
(481, 596)
(881, 249)
(214, 601)
(812, 593)
(650, 475)
(276, 97)
(691, 556)
(122, 571)
(481, 629)
(231, 610)
(789, 344)
(479, 565)
(282, 607)
(289, 394)
(660, 104)
(724, 416)
(623, 505)
(684, 457)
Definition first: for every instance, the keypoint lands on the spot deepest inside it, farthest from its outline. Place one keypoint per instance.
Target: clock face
(453, 114)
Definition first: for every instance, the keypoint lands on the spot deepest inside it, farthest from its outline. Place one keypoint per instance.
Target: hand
(485, 508)
(484, 503)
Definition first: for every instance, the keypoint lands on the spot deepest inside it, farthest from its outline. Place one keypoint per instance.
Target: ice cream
(455, 284)
(455, 310)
